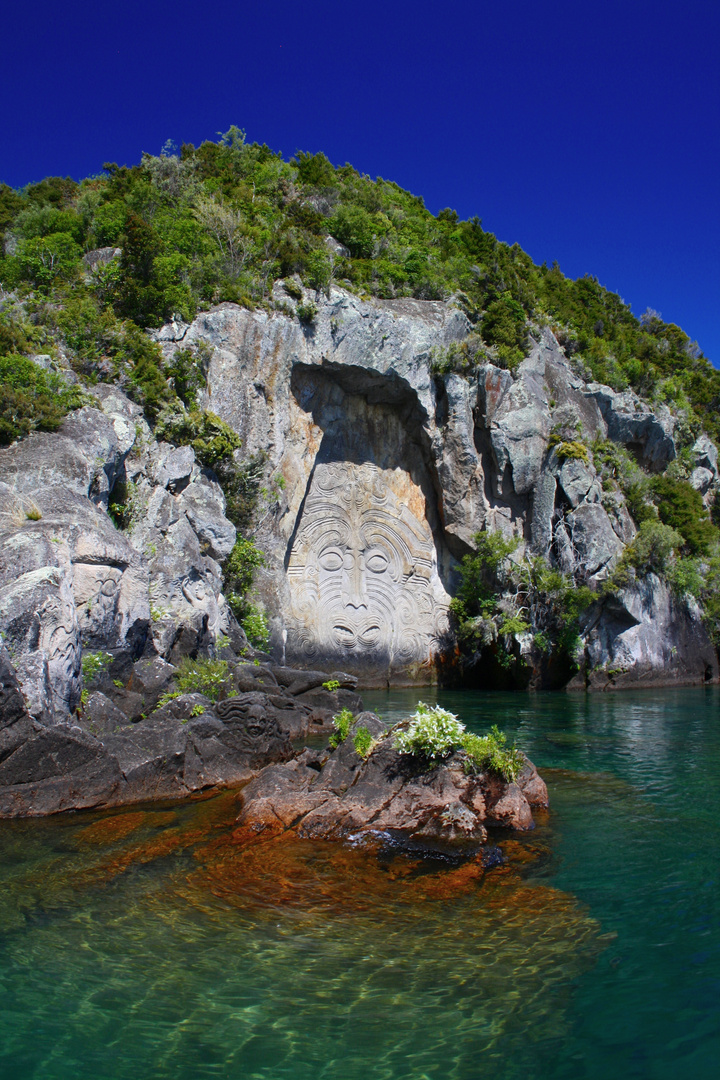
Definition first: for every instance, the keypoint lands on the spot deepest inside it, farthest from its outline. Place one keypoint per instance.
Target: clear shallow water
(155, 943)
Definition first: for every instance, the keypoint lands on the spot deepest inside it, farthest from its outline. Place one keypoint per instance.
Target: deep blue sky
(588, 132)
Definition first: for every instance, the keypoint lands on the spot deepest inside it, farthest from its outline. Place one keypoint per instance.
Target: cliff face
(71, 581)
(388, 471)
(382, 473)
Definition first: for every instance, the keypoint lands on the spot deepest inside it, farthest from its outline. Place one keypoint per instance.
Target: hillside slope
(383, 441)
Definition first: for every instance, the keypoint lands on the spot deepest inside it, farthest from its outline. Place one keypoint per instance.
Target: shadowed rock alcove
(365, 563)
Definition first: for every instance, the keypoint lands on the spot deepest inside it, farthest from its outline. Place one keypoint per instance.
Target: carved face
(253, 730)
(361, 573)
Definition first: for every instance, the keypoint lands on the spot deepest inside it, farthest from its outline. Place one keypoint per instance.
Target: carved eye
(376, 562)
(331, 559)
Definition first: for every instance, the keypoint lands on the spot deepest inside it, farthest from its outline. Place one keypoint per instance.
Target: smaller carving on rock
(254, 729)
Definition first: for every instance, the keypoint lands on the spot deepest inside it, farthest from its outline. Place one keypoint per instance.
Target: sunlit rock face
(362, 574)
(379, 468)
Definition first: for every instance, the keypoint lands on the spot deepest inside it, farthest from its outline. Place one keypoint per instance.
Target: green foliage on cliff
(210, 437)
(501, 597)
(573, 450)
(255, 624)
(651, 552)
(681, 507)
(363, 741)
(225, 220)
(239, 573)
(32, 399)
(668, 498)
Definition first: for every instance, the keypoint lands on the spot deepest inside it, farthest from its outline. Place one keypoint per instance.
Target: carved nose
(354, 582)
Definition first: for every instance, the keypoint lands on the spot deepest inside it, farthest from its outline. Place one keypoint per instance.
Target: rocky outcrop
(388, 797)
(629, 422)
(71, 581)
(378, 472)
(99, 758)
(645, 636)
(705, 477)
(189, 744)
(388, 470)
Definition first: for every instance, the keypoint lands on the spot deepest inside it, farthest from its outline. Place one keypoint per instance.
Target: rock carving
(362, 575)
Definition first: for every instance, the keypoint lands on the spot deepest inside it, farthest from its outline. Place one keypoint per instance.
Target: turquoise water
(157, 942)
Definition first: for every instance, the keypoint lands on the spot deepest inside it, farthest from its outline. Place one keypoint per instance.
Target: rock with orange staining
(387, 797)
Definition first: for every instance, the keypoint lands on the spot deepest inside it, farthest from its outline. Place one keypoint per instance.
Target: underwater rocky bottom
(154, 942)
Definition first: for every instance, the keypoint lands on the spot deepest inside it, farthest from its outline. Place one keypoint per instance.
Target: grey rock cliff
(99, 758)
(378, 473)
(388, 471)
(71, 581)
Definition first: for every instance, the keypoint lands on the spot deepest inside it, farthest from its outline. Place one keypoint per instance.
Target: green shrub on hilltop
(226, 219)
(43, 261)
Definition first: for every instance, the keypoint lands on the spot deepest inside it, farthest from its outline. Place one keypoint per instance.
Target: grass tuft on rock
(203, 676)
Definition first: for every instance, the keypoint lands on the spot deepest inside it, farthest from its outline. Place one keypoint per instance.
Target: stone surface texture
(186, 743)
(377, 472)
(339, 795)
(71, 581)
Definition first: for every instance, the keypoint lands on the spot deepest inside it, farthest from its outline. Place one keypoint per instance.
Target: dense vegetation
(224, 220)
(432, 734)
(504, 600)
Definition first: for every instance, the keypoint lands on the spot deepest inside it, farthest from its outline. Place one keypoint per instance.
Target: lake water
(149, 943)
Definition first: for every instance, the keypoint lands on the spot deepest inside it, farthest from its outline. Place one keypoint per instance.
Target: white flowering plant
(432, 733)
